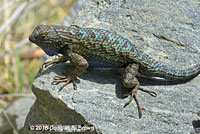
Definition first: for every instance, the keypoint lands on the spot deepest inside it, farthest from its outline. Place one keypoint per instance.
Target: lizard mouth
(31, 38)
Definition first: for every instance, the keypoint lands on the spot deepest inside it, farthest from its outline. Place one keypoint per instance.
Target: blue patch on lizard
(49, 52)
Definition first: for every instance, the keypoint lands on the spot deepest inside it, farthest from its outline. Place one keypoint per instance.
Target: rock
(75, 9)
(16, 113)
(168, 31)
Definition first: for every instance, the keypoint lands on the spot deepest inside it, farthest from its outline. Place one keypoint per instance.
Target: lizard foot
(57, 60)
(67, 79)
(133, 94)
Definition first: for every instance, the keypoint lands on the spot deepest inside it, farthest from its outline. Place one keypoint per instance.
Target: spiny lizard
(101, 48)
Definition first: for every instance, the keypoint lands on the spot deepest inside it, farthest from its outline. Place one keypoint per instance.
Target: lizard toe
(67, 79)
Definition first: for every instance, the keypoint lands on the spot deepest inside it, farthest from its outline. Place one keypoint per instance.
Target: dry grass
(17, 20)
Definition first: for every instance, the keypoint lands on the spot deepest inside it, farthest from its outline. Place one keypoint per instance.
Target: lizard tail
(151, 67)
(173, 74)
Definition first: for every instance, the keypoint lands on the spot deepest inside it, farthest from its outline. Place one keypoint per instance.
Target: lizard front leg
(81, 65)
(130, 81)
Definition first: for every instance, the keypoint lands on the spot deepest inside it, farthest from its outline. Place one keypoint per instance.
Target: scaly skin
(102, 48)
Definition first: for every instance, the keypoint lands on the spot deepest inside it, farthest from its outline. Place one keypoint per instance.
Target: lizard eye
(43, 36)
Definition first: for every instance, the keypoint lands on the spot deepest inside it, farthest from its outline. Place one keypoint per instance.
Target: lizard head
(47, 38)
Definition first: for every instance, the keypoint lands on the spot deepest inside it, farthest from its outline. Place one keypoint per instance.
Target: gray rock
(168, 31)
(16, 113)
(75, 9)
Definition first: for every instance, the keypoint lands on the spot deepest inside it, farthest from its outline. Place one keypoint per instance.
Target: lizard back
(103, 48)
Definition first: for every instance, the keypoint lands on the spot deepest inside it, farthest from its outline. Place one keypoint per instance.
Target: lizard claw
(154, 94)
(57, 60)
(133, 94)
(67, 79)
(48, 63)
(54, 61)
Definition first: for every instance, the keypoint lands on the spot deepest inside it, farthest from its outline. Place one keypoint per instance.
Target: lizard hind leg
(130, 81)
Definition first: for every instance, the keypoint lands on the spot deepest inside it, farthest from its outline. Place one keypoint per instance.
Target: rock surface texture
(13, 118)
(167, 30)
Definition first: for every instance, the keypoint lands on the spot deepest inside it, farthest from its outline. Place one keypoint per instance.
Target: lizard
(100, 48)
